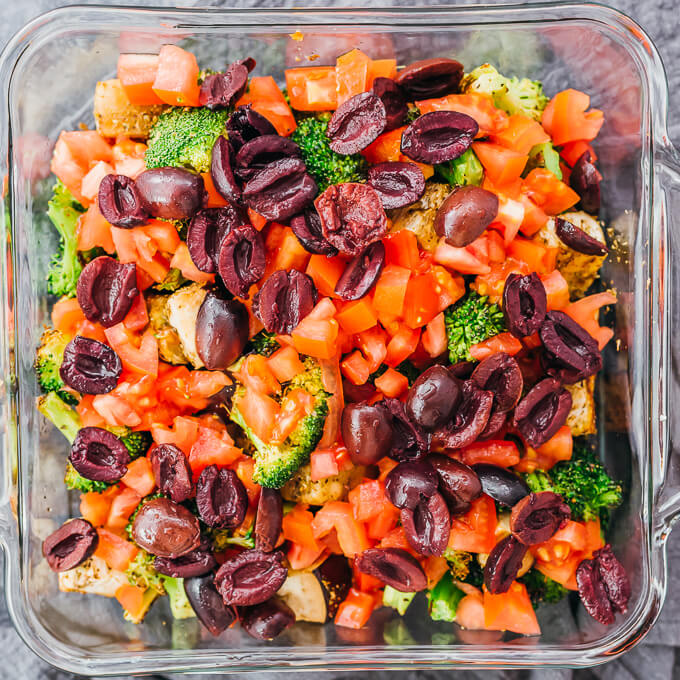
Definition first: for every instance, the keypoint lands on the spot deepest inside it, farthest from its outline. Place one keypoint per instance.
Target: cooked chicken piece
(301, 488)
(92, 576)
(581, 418)
(578, 269)
(169, 345)
(115, 115)
(182, 310)
(419, 217)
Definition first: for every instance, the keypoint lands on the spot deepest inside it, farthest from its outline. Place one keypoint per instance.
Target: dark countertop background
(658, 656)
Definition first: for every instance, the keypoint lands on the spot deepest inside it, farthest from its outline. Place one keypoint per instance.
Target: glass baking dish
(48, 72)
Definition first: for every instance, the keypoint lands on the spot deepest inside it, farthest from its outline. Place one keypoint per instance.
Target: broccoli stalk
(397, 600)
(544, 156)
(459, 563)
(74, 480)
(541, 588)
(60, 414)
(444, 598)
(466, 169)
(48, 360)
(263, 343)
(173, 280)
(179, 603)
(141, 572)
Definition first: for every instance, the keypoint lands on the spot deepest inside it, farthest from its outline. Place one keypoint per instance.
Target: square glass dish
(48, 73)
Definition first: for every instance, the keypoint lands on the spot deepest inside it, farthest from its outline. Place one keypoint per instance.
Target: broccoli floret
(406, 368)
(541, 588)
(444, 598)
(224, 538)
(47, 363)
(412, 113)
(87, 256)
(172, 281)
(263, 343)
(475, 575)
(64, 211)
(326, 166)
(465, 169)
(60, 414)
(141, 572)
(397, 600)
(179, 603)
(512, 95)
(74, 480)
(137, 443)
(275, 464)
(184, 137)
(471, 320)
(544, 156)
(459, 563)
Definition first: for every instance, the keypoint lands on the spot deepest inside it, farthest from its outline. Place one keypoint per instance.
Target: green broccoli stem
(444, 599)
(60, 414)
(397, 600)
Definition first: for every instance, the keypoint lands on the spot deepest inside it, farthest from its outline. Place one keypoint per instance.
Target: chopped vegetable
(444, 599)
(542, 589)
(466, 169)
(544, 156)
(48, 360)
(397, 600)
(74, 480)
(60, 414)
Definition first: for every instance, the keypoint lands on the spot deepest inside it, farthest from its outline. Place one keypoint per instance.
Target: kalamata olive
(495, 426)
(307, 228)
(219, 404)
(99, 455)
(361, 272)
(268, 519)
(352, 216)
(222, 169)
(570, 352)
(207, 230)
(356, 123)
(438, 136)
(268, 620)
(106, 290)
(537, 517)
(90, 366)
(393, 566)
(251, 577)
(463, 369)
(166, 529)
(354, 393)
(367, 432)
(542, 412)
(394, 101)
(172, 472)
(469, 420)
(70, 545)
(409, 441)
(585, 180)
(221, 90)
(171, 193)
(221, 331)
(503, 485)
(408, 483)
(241, 259)
(195, 563)
(263, 150)
(431, 78)
(246, 124)
(502, 565)
(525, 304)
(120, 203)
(458, 483)
(208, 604)
(577, 239)
(284, 300)
(397, 183)
(500, 374)
(465, 215)
(221, 498)
(433, 398)
(428, 525)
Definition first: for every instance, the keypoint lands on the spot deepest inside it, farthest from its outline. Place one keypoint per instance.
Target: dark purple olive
(433, 398)
(222, 169)
(542, 412)
(431, 78)
(207, 229)
(428, 525)
(251, 577)
(393, 566)
(585, 181)
(208, 605)
(500, 374)
(408, 483)
(241, 260)
(246, 124)
(397, 183)
(90, 366)
(221, 498)
(356, 123)
(307, 228)
(361, 272)
(221, 90)
(219, 404)
(409, 441)
(166, 529)
(503, 564)
(438, 136)
(268, 620)
(458, 483)
(172, 472)
(465, 215)
(525, 304)
(268, 519)
(221, 331)
(70, 545)
(195, 563)
(367, 432)
(503, 485)
(120, 203)
(106, 290)
(171, 193)
(355, 393)
(570, 352)
(463, 369)
(248, 62)
(284, 300)
(99, 455)
(577, 239)
(495, 426)
(537, 517)
(394, 101)
(263, 150)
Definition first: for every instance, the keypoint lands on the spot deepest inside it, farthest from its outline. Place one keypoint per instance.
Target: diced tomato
(396, 539)
(509, 218)
(392, 383)
(285, 364)
(89, 187)
(312, 88)
(558, 447)
(434, 338)
(357, 316)
(355, 368)
(373, 345)
(586, 312)
(503, 342)
(137, 74)
(566, 118)
(502, 165)
(421, 303)
(143, 358)
(94, 230)
(390, 289)
(402, 345)
(401, 248)
(352, 75)
(434, 568)
(564, 573)
(182, 260)
(539, 257)
(212, 448)
(176, 81)
(367, 499)
(183, 433)
(316, 337)
(256, 373)
(470, 612)
(115, 410)
(267, 99)
(89, 417)
(535, 218)
(492, 283)
(215, 199)
(122, 506)
(300, 557)
(382, 68)
(569, 539)
(114, 550)
(284, 250)
(549, 193)
(325, 272)
(139, 476)
(297, 527)
(338, 515)
(572, 151)
(355, 610)
(448, 288)
(137, 318)
(95, 506)
(387, 147)
(323, 464)
(383, 523)
(259, 412)
(478, 106)
(460, 260)
(521, 135)
(475, 531)
(556, 290)
(511, 611)
(133, 600)
(296, 405)
(494, 452)
(365, 582)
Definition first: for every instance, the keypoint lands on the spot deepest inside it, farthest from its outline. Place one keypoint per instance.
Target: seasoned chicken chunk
(301, 488)
(581, 418)
(182, 310)
(115, 115)
(169, 344)
(92, 576)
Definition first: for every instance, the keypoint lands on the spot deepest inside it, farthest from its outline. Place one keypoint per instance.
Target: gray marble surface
(658, 657)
